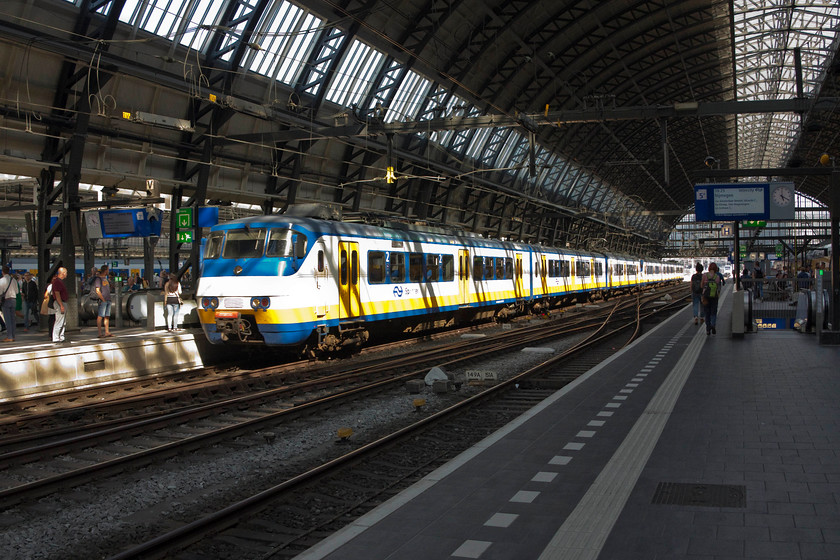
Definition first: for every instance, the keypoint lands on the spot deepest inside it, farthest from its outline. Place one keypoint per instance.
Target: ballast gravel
(100, 519)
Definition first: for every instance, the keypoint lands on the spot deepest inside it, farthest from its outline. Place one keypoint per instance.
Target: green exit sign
(185, 218)
(185, 237)
(754, 223)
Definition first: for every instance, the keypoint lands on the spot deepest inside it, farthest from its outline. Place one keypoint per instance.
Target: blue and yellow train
(324, 285)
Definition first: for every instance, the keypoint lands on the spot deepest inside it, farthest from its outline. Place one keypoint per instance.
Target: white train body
(289, 281)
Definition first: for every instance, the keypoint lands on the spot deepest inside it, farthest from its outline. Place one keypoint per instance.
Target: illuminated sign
(744, 201)
(137, 222)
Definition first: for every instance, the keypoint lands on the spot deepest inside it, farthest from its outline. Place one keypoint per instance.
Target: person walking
(31, 301)
(172, 294)
(697, 293)
(102, 289)
(711, 286)
(9, 291)
(59, 292)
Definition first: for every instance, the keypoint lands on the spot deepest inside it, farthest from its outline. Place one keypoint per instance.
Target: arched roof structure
(577, 122)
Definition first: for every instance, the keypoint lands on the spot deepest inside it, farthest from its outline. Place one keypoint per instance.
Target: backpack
(711, 290)
(696, 283)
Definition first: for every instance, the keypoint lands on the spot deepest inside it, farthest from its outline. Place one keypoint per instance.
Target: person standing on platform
(172, 298)
(102, 288)
(746, 279)
(697, 293)
(712, 285)
(60, 295)
(9, 291)
(31, 301)
(803, 280)
(758, 281)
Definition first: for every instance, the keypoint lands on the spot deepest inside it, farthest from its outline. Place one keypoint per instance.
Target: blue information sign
(138, 222)
(744, 201)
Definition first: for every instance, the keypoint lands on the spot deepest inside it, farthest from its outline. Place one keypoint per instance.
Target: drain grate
(704, 495)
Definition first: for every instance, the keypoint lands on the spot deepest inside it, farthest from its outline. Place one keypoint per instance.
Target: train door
(517, 274)
(349, 296)
(572, 275)
(543, 275)
(321, 274)
(463, 277)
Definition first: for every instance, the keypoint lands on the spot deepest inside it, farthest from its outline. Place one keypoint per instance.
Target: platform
(681, 446)
(34, 364)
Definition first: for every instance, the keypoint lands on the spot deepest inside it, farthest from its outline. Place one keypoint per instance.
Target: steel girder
(66, 154)
(223, 56)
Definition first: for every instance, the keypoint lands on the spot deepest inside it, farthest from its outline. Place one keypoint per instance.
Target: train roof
(398, 231)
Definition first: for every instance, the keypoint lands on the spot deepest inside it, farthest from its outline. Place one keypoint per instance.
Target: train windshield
(213, 247)
(244, 243)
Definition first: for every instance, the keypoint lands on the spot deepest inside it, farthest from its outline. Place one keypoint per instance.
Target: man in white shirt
(9, 292)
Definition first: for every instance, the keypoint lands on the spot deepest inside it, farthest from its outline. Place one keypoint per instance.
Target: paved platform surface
(86, 334)
(682, 446)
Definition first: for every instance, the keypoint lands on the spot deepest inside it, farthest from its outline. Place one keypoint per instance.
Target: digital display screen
(117, 223)
(739, 201)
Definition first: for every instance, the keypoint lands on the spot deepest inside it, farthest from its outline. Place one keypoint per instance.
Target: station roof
(577, 121)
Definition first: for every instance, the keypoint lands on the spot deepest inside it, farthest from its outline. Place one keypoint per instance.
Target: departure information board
(744, 201)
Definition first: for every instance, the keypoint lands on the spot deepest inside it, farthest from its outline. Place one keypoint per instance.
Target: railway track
(101, 450)
(315, 503)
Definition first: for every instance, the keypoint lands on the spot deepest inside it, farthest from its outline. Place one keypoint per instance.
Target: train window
(397, 267)
(599, 269)
(244, 243)
(342, 267)
(278, 243)
(489, 269)
(376, 267)
(584, 269)
(320, 261)
(213, 247)
(432, 268)
(354, 267)
(447, 265)
(415, 267)
(509, 268)
(500, 268)
(554, 269)
(565, 269)
(478, 268)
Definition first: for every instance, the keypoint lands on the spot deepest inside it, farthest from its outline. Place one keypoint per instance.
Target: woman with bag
(172, 298)
(711, 286)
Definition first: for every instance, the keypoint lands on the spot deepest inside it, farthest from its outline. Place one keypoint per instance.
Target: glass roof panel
(766, 34)
(188, 22)
(409, 98)
(354, 74)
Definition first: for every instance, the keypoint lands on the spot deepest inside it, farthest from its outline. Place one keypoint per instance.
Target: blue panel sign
(744, 201)
(138, 222)
(771, 323)
(208, 216)
(730, 202)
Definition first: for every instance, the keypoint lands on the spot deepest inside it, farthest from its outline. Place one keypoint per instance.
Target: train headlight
(214, 302)
(261, 303)
(255, 303)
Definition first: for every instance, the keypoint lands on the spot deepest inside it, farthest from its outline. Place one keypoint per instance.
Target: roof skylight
(766, 34)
